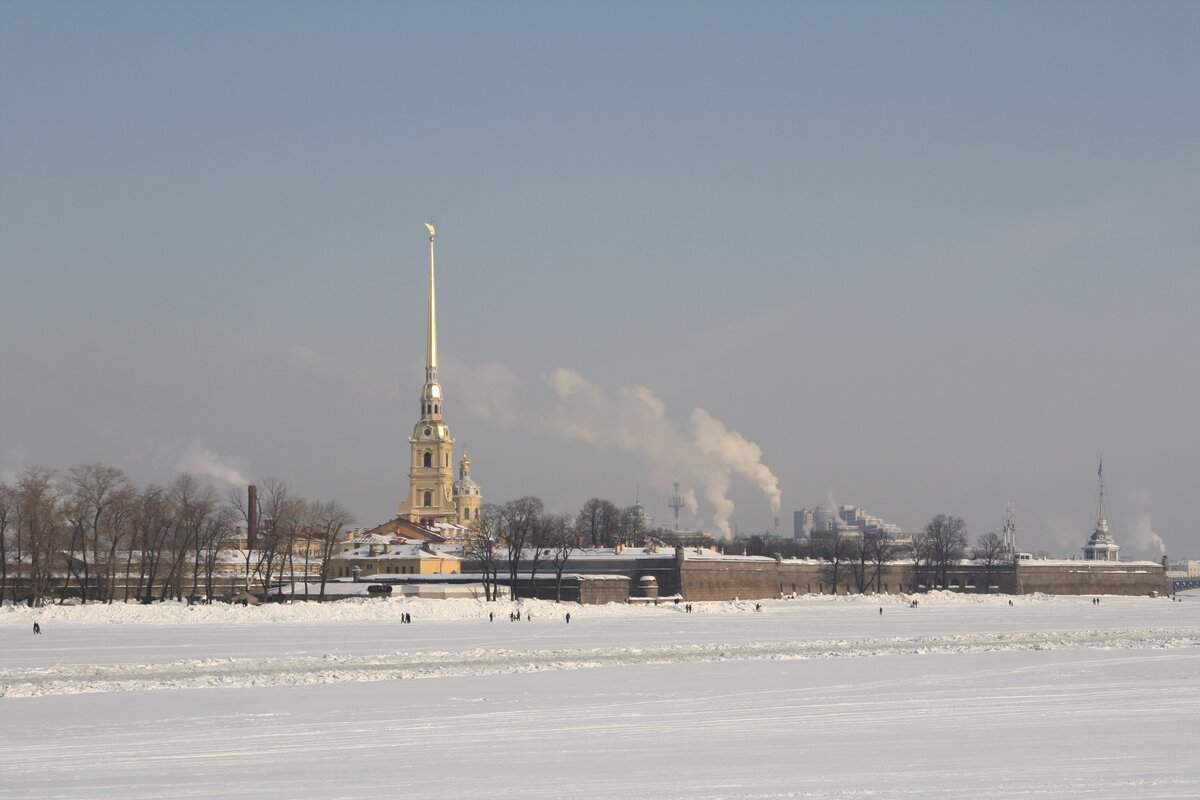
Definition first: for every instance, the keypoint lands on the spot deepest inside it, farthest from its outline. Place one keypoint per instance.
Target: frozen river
(815, 697)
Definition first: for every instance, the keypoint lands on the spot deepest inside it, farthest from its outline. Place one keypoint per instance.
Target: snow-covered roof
(371, 538)
(403, 550)
(1085, 564)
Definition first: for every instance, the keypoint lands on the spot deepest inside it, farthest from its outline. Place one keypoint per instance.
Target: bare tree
(483, 546)
(214, 534)
(942, 543)
(118, 532)
(538, 546)
(93, 488)
(152, 520)
(860, 563)
(990, 550)
(598, 522)
(879, 551)
(192, 504)
(7, 513)
(329, 519)
(238, 501)
(518, 519)
(563, 541)
(40, 527)
(835, 550)
(275, 530)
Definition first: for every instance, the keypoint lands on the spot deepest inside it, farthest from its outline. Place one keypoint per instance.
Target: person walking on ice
(37, 629)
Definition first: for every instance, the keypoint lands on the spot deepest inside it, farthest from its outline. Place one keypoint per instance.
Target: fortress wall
(601, 590)
(757, 579)
(1092, 578)
(725, 579)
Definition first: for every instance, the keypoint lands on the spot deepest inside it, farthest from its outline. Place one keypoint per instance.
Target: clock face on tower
(429, 431)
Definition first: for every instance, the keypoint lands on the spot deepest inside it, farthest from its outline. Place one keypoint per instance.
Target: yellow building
(370, 556)
(433, 494)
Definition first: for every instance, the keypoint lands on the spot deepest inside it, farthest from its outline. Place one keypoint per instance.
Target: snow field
(814, 697)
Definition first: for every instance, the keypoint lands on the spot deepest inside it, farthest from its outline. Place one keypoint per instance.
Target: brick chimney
(252, 517)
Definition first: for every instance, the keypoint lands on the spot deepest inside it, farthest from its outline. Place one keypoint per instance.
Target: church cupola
(1100, 545)
(468, 497)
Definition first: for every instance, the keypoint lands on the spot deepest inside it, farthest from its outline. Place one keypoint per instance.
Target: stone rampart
(601, 589)
(757, 578)
(1092, 577)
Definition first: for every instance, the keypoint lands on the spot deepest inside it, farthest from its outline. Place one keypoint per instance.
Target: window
(466, 513)
(428, 461)
(428, 495)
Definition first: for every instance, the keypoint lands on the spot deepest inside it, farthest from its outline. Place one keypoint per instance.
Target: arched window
(466, 513)
(428, 496)
(428, 461)
(435, 409)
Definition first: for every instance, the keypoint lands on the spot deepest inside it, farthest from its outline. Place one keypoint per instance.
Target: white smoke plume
(634, 421)
(743, 456)
(1145, 539)
(195, 457)
(689, 501)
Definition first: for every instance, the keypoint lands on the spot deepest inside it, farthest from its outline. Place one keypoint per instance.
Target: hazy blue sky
(929, 257)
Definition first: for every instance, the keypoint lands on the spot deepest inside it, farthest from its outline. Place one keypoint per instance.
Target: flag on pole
(1100, 472)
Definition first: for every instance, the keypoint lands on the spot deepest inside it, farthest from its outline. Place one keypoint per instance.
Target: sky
(922, 258)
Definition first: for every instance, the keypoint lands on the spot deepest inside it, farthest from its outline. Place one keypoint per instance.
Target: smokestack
(252, 517)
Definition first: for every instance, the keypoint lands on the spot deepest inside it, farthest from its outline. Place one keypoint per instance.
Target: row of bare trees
(521, 534)
(93, 534)
(860, 559)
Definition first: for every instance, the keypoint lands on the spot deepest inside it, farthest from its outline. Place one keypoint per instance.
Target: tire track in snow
(239, 673)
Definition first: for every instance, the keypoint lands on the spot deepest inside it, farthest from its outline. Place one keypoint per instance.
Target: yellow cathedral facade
(434, 496)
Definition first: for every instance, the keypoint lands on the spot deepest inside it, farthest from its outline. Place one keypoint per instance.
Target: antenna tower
(1008, 529)
(676, 503)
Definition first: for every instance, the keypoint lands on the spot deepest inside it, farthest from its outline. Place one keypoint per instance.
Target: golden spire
(431, 345)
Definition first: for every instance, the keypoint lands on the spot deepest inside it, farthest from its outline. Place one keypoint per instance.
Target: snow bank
(330, 668)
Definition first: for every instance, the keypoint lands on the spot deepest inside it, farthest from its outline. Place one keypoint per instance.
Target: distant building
(1184, 568)
(847, 520)
(369, 556)
(1100, 545)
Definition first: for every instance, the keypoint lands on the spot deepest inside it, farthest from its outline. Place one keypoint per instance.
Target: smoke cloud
(195, 457)
(1145, 539)
(634, 421)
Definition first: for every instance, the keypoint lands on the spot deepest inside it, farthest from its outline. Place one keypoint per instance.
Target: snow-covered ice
(812, 697)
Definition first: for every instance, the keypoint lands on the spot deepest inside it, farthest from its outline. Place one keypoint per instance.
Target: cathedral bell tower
(431, 473)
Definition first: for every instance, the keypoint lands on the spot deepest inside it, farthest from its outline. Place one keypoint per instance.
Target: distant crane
(675, 503)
